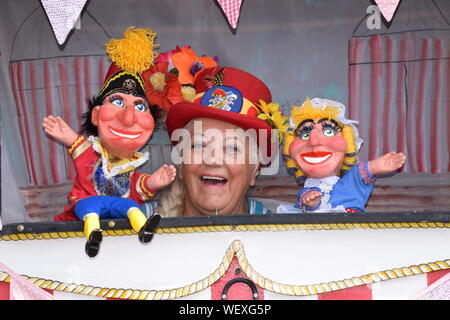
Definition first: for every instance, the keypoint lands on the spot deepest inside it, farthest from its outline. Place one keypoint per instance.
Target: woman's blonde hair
(309, 111)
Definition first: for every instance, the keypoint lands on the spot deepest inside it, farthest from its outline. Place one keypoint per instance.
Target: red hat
(240, 105)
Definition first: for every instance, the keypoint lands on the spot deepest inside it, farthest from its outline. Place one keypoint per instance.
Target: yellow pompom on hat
(131, 56)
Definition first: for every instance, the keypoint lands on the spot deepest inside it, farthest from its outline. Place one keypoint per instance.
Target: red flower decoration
(162, 88)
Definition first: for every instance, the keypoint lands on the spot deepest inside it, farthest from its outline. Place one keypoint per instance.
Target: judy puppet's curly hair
(89, 129)
(308, 111)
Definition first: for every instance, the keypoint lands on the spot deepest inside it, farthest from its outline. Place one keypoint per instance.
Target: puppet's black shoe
(93, 243)
(146, 233)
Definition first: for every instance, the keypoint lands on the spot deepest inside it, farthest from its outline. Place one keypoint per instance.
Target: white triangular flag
(63, 15)
(232, 9)
(387, 8)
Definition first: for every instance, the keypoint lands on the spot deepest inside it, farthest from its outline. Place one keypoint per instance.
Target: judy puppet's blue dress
(347, 194)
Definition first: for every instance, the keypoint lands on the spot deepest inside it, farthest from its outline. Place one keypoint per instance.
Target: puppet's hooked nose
(127, 116)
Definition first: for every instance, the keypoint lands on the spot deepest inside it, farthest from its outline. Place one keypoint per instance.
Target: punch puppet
(118, 123)
(321, 151)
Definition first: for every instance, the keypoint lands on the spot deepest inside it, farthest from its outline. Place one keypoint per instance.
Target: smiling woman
(222, 142)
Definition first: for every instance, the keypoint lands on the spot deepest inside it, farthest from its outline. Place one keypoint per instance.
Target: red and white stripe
(396, 289)
(58, 86)
(399, 92)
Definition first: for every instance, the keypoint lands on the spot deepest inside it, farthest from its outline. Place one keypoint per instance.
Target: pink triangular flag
(63, 15)
(22, 289)
(387, 8)
(232, 9)
(439, 290)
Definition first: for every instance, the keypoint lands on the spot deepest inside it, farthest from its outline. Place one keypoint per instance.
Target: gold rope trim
(80, 149)
(236, 249)
(235, 228)
(75, 144)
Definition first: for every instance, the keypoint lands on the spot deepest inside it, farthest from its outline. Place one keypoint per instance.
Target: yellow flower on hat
(272, 114)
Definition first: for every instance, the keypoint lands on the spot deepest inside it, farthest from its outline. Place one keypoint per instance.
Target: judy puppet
(321, 152)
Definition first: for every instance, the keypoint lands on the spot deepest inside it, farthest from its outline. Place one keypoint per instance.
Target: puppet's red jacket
(86, 161)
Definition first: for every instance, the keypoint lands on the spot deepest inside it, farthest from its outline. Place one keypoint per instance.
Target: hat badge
(129, 84)
(223, 97)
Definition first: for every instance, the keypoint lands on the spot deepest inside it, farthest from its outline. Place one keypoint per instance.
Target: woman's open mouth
(125, 134)
(215, 181)
(314, 158)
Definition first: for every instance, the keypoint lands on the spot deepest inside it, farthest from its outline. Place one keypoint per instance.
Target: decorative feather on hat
(130, 56)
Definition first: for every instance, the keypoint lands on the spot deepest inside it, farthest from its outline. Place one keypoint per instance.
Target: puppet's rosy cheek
(146, 121)
(337, 143)
(295, 147)
(107, 113)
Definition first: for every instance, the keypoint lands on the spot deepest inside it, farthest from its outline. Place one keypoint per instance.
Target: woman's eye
(232, 149)
(140, 107)
(197, 146)
(117, 102)
(329, 132)
(305, 136)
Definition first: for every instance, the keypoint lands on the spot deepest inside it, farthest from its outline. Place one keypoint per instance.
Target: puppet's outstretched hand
(162, 177)
(311, 198)
(58, 129)
(387, 163)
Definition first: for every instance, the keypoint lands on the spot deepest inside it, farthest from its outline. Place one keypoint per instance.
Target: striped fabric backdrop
(58, 86)
(396, 289)
(399, 91)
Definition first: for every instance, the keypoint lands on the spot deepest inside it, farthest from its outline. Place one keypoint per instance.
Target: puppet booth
(363, 78)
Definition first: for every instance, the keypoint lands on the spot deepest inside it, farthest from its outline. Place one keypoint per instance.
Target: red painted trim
(50, 109)
(101, 73)
(238, 291)
(4, 290)
(401, 99)
(436, 98)
(24, 116)
(76, 65)
(411, 42)
(20, 118)
(355, 87)
(356, 293)
(387, 135)
(87, 81)
(435, 276)
(66, 109)
(37, 122)
(420, 114)
(374, 134)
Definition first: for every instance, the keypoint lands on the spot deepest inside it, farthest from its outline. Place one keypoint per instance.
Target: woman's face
(218, 168)
(319, 148)
(124, 124)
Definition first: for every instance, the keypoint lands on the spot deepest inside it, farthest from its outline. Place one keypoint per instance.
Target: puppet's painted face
(319, 148)
(124, 124)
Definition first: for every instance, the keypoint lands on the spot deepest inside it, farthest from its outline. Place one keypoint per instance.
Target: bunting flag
(22, 289)
(439, 290)
(63, 15)
(232, 9)
(387, 8)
